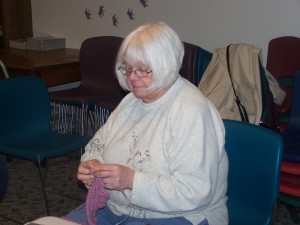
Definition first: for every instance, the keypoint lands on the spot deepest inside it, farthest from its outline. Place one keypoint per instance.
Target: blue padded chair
(25, 129)
(254, 154)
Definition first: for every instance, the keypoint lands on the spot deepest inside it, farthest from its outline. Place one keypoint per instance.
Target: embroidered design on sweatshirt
(138, 160)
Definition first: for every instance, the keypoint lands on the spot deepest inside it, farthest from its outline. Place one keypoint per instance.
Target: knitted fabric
(96, 199)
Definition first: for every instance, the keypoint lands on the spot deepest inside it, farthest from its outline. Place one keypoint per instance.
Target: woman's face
(139, 85)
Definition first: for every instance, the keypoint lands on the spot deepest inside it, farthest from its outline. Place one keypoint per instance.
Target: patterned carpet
(23, 201)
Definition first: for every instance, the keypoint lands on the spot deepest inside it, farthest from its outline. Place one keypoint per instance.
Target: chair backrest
(194, 62)
(97, 63)
(283, 56)
(294, 119)
(254, 155)
(283, 60)
(25, 108)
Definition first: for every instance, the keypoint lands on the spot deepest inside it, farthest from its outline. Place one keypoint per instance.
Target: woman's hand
(85, 173)
(115, 177)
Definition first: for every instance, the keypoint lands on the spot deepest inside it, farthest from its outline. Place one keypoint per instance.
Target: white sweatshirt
(175, 145)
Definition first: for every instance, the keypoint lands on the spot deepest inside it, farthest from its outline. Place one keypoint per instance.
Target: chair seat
(83, 95)
(43, 146)
(290, 167)
(240, 217)
(110, 104)
(290, 184)
(289, 199)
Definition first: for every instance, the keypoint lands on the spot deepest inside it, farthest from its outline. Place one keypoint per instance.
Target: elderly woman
(161, 152)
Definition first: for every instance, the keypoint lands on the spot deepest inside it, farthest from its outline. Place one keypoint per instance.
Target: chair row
(283, 61)
(253, 188)
(99, 94)
(85, 108)
(26, 133)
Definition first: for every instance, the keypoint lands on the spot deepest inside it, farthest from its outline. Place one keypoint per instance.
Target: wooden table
(59, 66)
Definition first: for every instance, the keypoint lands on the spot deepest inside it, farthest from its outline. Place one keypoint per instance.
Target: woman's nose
(132, 75)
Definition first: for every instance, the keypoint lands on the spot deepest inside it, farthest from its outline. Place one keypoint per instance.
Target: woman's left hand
(115, 177)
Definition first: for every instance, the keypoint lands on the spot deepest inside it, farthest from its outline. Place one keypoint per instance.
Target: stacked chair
(290, 171)
(254, 155)
(73, 109)
(283, 61)
(25, 130)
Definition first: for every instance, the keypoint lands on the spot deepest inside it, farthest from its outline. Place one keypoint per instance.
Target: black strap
(242, 109)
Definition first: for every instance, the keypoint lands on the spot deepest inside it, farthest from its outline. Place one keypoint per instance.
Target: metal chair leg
(43, 181)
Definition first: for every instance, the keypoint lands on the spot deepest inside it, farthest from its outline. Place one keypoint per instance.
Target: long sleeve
(195, 148)
(94, 149)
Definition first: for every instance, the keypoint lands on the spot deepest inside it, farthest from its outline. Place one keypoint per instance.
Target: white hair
(157, 46)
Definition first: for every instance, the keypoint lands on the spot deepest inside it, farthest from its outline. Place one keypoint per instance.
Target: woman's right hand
(84, 172)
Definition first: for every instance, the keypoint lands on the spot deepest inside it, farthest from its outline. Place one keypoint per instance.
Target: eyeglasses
(138, 71)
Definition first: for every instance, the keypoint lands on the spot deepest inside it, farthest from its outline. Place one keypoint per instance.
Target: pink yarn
(96, 199)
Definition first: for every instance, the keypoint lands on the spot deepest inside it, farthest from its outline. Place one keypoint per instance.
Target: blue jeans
(106, 217)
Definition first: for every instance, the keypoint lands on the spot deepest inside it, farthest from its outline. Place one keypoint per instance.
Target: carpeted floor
(23, 201)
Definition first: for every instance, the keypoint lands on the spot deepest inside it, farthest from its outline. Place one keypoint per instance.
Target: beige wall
(207, 23)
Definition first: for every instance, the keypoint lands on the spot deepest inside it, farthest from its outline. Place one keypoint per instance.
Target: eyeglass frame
(126, 71)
